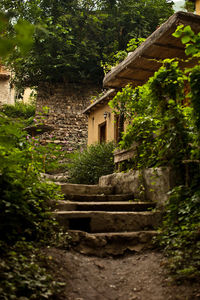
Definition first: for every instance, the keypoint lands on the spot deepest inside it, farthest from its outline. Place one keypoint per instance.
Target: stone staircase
(102, 223)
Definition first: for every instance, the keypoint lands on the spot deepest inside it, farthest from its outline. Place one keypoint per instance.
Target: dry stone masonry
(62, 106)
(103, 223)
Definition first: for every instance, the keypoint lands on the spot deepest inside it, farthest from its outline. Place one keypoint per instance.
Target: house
(102, 123)
(137, 68)
(8, 93)
(197, 6)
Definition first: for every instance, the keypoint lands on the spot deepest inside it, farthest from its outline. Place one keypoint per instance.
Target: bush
(87, 166)
(19, 110)
(25, 217)
(24, 207)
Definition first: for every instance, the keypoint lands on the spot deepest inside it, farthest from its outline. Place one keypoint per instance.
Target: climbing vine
(155, 118)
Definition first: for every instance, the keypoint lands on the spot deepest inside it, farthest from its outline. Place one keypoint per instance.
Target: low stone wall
(65, 104)
(151, 184)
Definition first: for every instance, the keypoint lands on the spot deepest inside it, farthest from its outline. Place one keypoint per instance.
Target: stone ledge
(82, 189)
(103, 221)
(112, 243)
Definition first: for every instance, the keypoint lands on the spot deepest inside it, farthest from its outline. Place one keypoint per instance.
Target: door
(102, 133)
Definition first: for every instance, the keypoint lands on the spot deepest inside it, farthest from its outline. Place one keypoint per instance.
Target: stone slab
(151, 184)
(124, 183)
(82, 189)
(112, 243)
(102, 221)
(100, 198)
(104, 206)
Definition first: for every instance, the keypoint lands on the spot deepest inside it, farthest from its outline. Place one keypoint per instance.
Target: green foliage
(19, 110)
(20, 38)
(25, 217)
(23, 274)
(189, 6)
(167, 84)
(142, 131)
(73, 38)
(180, 233)
(189, 38)
(24, 197)
(192, 47)
(195, 94)
(131, 102)
(115, 58)
(157, 123)
(88, 165)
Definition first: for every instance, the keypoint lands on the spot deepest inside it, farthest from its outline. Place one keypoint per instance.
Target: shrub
(24, 199)
(19, 110)
(87, 166)
(25, 218)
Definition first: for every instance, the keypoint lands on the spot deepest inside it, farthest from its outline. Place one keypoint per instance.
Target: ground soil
(137, 276)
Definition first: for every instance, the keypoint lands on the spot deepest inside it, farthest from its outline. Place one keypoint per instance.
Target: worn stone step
(99, 198)
(105, 206)
(103, 221)
(82, 189)
(112, 243)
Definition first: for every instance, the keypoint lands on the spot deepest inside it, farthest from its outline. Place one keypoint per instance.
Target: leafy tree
(73, 37)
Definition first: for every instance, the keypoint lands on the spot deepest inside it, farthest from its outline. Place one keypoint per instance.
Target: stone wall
(65, 104)
(151, 184)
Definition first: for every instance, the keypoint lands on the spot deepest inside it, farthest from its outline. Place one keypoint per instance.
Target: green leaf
(185, 39)
(190, 49)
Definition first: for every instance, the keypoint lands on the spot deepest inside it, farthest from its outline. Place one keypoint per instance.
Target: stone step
(103, 221)
(82, 189)
(99, 198)
(112, 243)
(104, 206)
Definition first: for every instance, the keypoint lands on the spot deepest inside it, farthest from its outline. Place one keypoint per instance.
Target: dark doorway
(102, 133)
(116, 128)
(80, 224)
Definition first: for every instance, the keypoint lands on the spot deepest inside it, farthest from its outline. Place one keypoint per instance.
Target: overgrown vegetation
(157, 122)
(180, 232)
(26, 221)
(19, 110)
(91, 163)
(164, 122)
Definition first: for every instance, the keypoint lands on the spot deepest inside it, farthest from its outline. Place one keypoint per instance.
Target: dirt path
(132, 277)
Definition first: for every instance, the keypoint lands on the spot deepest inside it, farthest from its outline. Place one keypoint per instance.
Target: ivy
(179, 235)
(156, 119)
(189, 38)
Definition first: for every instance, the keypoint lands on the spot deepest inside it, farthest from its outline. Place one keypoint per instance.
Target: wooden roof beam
(152, 57)
(169, 46)
(129, 79)
(140, 69)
